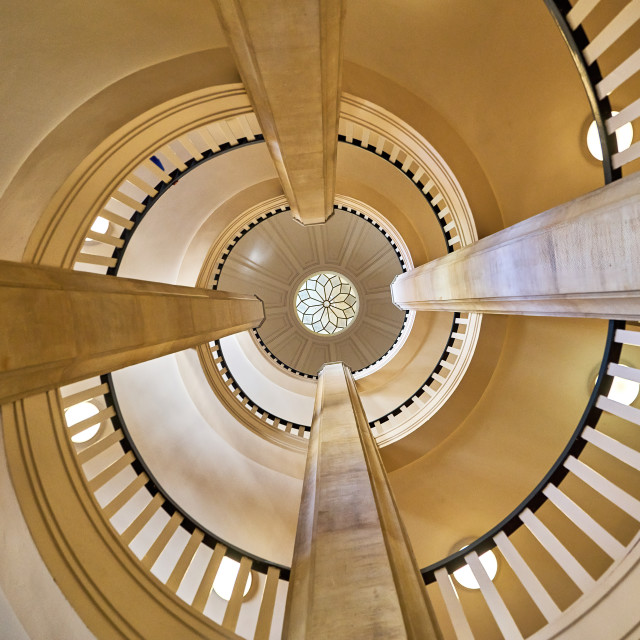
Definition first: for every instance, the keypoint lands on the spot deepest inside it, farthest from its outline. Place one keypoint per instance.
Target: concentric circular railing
(588, 438)
(183, 555)
(181, 552)
(434, 381)
(601, 79)
(217, 271)
(607, 430)
(131, 499)
(126, 207)
(463, 331)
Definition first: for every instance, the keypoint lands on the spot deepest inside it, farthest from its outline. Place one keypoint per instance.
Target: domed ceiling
(274, 258)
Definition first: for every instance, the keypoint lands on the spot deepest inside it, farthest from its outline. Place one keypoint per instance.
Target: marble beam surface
(59, 326)
(353, 573)
(579, 259)
(289, 55)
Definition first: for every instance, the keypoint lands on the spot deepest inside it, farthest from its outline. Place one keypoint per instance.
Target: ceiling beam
(579, 259)
(60, 326)
(353, 573)
(289, 55)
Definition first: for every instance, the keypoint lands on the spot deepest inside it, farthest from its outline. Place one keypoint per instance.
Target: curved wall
(23, 573)
(246, 493)
(515, 149)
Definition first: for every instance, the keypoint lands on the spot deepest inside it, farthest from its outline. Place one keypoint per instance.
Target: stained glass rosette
(326, 303)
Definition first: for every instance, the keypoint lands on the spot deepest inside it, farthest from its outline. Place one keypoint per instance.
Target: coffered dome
(277, 256)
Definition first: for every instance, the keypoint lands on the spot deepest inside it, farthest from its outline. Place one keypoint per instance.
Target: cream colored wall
(67, 145)
(59, 56)
(245, 492)
(500, 76)
(384, 91)
(511, 438)
(10, 622)
(188, 210)
(33, 603)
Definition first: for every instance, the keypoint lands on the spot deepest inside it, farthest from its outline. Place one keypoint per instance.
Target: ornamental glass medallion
(326, 303)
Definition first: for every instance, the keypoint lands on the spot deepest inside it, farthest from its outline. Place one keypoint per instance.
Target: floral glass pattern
(326, 303)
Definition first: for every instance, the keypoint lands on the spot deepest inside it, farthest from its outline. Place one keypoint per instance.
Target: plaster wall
(31, 603)
(48, 49)
(248, 497)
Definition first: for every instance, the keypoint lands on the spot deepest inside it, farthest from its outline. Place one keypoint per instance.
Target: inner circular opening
(326, 303)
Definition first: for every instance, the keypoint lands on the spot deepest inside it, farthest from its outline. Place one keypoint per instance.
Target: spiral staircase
(135, 152)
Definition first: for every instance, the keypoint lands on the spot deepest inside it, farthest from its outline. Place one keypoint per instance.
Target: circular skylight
(622, 390)
(100, 225)
(326, 303)
(226, 579)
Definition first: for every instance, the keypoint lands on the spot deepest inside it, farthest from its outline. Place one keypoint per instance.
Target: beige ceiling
(48, 48)
(276, 256)
(499, 74)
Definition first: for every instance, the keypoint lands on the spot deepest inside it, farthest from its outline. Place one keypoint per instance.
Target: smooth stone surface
(353, 573)
(289, 56)
(579, 259)
(59, 326)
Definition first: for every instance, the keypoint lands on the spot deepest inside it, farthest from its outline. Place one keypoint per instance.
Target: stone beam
(579, 259)
(289, 55)
(353, 573)
(59, 326)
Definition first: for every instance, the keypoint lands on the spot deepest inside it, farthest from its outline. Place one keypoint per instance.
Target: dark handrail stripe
(169, 505)
(590, 75)
(163, 187)
(554, 476)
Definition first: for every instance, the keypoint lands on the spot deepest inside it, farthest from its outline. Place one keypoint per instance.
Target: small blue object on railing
(157, 162)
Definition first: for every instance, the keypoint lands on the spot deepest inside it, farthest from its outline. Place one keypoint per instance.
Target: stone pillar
(579, 259)
(354, 574)
(289, 55)
(58, 326)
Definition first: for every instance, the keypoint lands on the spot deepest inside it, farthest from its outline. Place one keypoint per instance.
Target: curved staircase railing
(605, 434)
(183, 555)
(133, 200)
(607, 427)
(125, 207)
(186, 557)
(607, 431)
(606, 70)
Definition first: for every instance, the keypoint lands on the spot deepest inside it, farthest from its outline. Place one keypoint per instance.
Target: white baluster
(530, 582)
(613, 447)
(558, 551)
(609, 490)
(454, 608)
(495, 603)
(584, 521)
